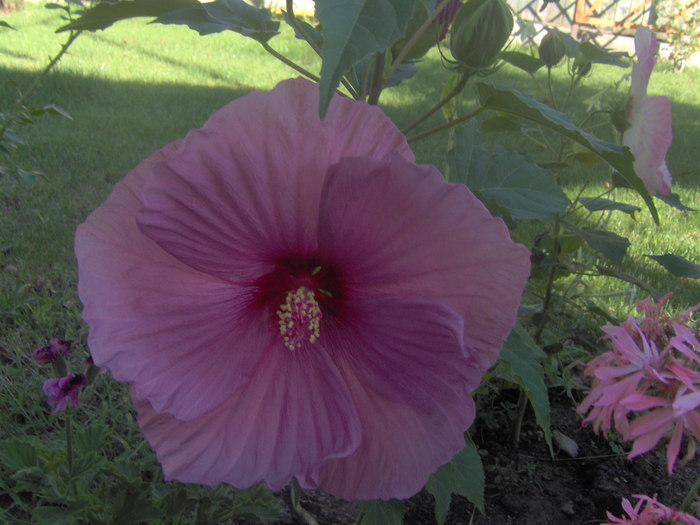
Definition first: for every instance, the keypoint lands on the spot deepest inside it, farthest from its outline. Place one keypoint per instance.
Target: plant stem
(416, 36)
(35, 83)
(550, 280)
(377, 79)
(296, 67)
(519, 416)
(294, 494)
(455, 91)
(549, 87)
(446, 125)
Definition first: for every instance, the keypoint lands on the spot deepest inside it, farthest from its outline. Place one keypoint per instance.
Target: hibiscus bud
(479, 32)
(552, 48)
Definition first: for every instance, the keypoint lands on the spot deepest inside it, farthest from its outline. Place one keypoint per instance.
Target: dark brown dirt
(525, 485)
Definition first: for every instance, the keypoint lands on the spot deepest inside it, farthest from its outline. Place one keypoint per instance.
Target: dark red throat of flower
(300, 293)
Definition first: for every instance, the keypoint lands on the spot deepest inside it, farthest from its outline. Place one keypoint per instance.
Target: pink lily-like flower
(292, 297)
(648, 511)
(60, 390)
(649, 134)
(648, 385)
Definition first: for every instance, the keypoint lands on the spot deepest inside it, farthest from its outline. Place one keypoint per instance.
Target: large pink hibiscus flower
(649, 133)
(292, 297)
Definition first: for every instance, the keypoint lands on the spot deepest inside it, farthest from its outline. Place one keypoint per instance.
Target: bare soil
(526, 485)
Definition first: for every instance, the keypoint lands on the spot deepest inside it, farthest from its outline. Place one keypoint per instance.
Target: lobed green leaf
(353, 30)
(104, 14)
(464, 475)
(512, 101)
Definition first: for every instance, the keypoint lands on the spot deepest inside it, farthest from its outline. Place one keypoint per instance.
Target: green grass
(136, 87)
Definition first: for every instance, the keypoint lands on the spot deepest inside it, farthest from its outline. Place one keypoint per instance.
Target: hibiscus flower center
(299, 318)
(298, 294)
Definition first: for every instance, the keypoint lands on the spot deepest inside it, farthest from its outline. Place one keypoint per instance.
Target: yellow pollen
(299, 318)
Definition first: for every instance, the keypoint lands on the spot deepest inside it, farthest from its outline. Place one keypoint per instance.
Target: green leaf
(19, 454)
(523, 61)
(514, 102)
(677, 265)
(601, 204)
(104, 14)
(607, 243)
(466, 158)
(522, 187)
(599, 55)
(674, 200)
(5, 24)
(500, 123)
(378, 512)
(464, 475)
(353, 30)
(520, 358)
(511, 180)
(48, 515)
(50, 108)
(223, 15)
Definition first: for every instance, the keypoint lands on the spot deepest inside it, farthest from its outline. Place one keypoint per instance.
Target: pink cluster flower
(62, 389)
(648, 386)
(649, 134)
(49, 353)
(291, 297)
(648, 511)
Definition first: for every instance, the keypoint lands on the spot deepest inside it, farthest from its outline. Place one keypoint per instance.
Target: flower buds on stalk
(479, 32)
(552, 48)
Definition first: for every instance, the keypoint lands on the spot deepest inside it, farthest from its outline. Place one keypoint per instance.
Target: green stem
(416, 36)
(69, 442)
(294, 496)
(687, 502)
(377, 79)
(33, 86)
(446, 125)
(455, 91)
(550, 281)
(519, 416)
(549, 87)
(296, 67)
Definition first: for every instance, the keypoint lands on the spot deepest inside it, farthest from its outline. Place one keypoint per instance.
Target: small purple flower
(48, 354)
(60, 389)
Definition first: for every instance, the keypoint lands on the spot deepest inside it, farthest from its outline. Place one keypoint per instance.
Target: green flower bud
(480, 29)
(552, 48)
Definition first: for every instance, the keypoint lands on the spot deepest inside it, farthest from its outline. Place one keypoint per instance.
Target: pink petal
(648, 429)
(405, 365)
(398, 229)
(645, 48)
(244, 190)
(293, 414)
(152, 319)
(674, 447)
(649, 137)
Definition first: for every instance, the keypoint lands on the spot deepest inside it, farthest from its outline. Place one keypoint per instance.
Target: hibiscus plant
(294, 300)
